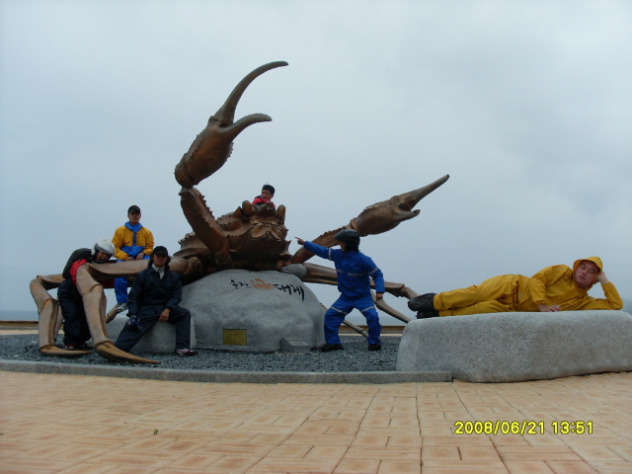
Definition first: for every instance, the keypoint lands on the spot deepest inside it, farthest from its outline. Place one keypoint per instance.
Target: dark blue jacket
(354, 270)
(150, 295)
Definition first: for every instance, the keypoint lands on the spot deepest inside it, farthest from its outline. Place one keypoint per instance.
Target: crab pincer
(386, 215)
(212, 147)
(377, 218)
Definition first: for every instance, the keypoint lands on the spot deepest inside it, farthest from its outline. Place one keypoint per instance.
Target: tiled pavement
(70, 423)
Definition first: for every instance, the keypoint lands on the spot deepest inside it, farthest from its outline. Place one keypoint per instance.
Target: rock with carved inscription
(242, 310)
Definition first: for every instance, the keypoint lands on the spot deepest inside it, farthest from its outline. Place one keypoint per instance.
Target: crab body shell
(255, 240)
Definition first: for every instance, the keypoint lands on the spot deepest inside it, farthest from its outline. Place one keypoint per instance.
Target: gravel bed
(355, 357)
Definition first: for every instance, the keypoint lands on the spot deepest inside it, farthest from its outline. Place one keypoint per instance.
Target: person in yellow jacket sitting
(555, 288)
(131, 241)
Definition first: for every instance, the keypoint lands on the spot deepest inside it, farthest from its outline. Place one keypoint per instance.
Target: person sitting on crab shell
(265, 198)
(76, 330)
(132, 241)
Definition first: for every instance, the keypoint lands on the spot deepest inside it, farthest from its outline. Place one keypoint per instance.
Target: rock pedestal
(160, 339)
(241, 310)
(512, 347)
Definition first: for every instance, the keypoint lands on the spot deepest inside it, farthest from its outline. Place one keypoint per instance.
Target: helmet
(350, 237)
(103, 245)
(347, 235)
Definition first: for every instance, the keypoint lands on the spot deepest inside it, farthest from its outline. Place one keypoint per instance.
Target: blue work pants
(121, 285)
(343, 306)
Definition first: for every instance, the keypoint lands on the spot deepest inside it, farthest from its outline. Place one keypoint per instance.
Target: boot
(422, 303)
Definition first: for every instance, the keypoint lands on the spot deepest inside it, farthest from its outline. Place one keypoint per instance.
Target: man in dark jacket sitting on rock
(154, 297)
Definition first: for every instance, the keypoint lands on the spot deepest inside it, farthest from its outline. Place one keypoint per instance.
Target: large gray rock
(242, 310)
(160, 339)
(511, 347)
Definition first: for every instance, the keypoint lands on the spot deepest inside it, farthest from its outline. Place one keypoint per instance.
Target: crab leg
(357, 329)
(49, 316)
(384, 306)
(207, 154)
(320, 274)
(377, 218)
(94, 305)
(94, 301)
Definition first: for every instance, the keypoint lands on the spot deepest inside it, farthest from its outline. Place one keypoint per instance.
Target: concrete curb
(224, 376)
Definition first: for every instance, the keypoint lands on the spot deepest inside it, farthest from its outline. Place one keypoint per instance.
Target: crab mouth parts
(404, 206)
(265, 243)
(267, 232)
(259, 239)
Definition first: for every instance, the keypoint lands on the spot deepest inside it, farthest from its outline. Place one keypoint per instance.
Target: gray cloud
(526, 105)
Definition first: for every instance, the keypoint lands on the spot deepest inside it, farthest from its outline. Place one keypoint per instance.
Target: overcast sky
(527, 105)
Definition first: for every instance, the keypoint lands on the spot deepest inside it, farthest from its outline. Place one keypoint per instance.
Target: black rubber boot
(422, 303)
(332, 347)
(429, 314)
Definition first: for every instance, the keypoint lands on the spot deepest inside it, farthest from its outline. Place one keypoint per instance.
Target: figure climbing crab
(251, 237)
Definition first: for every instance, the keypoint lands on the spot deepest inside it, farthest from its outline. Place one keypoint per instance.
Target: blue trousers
(121, 285)
(343, 306)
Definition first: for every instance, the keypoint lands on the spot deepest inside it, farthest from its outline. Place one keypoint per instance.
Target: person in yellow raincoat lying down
(555, 288)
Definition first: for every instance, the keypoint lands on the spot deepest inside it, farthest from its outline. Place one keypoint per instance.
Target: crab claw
(212, 146)
(377, 218)
(386, 215)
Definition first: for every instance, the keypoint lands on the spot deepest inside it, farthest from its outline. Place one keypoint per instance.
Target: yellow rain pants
(498, 294)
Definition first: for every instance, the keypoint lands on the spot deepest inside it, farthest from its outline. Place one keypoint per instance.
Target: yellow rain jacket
(124, 239)
(508, 293)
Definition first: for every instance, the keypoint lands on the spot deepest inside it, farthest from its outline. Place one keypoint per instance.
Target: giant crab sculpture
(252, 237)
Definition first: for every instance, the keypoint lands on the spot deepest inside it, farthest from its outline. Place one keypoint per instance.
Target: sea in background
(16, 315)
(355, 317)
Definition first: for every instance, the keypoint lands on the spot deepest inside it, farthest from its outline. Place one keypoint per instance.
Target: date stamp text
(524, 427)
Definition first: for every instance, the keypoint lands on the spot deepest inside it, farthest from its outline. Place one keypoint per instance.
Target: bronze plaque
(234, 337)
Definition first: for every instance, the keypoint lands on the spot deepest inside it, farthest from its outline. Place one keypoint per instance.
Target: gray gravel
(355, 357)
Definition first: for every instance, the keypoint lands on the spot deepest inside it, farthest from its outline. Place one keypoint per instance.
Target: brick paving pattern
(87, 424)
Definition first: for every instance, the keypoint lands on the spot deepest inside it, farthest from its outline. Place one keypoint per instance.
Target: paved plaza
(85, 424)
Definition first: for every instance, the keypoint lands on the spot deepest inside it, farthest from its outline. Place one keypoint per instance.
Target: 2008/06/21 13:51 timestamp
(522, 427)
